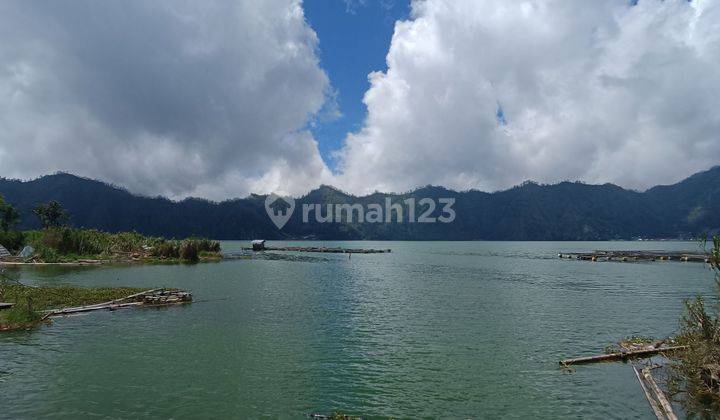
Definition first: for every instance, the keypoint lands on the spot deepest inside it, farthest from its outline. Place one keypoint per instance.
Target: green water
(435, 329)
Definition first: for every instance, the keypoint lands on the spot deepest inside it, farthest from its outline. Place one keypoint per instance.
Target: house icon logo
(279, 209)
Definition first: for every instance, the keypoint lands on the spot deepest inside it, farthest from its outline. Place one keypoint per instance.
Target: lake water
(434, 329)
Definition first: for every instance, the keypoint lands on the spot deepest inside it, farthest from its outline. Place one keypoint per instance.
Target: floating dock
(259, 245)
(629, 256)
(322, 249)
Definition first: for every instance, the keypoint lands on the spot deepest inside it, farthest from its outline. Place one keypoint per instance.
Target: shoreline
(101, 263)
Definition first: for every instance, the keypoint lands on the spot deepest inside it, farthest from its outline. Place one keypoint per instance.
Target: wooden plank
(659, 394)
(653, 404)
(619, 356)
(120, 304)
(80, 309)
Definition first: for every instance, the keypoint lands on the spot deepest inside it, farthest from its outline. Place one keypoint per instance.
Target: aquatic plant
(52, 297)
(631, 343)
(22, 313)
(695, 374)
(31, 301)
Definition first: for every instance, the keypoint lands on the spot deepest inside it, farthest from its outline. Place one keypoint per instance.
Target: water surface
(434, 329)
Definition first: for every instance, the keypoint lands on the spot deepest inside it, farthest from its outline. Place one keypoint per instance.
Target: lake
(433, 329)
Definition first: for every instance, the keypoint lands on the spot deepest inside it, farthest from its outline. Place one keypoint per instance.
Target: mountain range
(531, 211)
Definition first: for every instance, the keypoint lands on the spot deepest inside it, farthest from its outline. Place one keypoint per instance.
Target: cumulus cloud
(487, 94)
(167, 97)
(216, 98)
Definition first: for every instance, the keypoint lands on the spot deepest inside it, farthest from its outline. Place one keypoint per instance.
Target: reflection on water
(435, 329)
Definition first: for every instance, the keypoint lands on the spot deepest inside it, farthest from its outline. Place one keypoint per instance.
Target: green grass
(64, 244)
(31, 301)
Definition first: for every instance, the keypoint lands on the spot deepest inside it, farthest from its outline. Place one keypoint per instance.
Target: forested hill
(565, 211)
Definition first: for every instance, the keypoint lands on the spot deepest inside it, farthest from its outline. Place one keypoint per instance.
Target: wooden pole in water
(147, 292)
(653, 404)
(619, 356)
(667, 408)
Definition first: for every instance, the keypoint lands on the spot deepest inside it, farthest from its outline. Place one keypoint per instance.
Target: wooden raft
(628, 256)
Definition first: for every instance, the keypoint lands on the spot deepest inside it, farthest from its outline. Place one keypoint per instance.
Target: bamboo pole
(667, 408)
(113, 304)
(653, 404)
(147, 292)
(619, 356)
(79, 309)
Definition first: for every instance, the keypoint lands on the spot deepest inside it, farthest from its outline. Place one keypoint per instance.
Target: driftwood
(88, 308)
(133, 296)
(153, 297)
(651, 400)
(659, 394)
(620, 355)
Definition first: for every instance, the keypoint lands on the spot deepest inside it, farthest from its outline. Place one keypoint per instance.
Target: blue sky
(354, 40)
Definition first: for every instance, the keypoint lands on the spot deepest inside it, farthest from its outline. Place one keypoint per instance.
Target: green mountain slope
(565, 211)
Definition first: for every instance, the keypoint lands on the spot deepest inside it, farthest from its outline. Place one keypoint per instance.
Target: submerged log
(620, 355)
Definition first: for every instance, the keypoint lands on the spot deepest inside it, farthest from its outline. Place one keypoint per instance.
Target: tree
(9, 217)
(51, 214)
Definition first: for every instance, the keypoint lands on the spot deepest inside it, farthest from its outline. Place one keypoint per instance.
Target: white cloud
(165, 97)
(215, 98)
(600, 91)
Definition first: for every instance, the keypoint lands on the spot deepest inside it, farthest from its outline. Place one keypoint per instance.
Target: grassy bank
(67, 245)
(31, 301)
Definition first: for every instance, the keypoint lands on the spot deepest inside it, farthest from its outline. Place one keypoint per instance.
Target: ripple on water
(458, 330)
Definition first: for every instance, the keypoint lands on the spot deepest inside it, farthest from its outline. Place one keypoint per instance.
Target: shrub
(21, 313)
(166, 250)
(206, 245)
(189, 251)
(14, 241)
(54, 244)
(695, 371)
